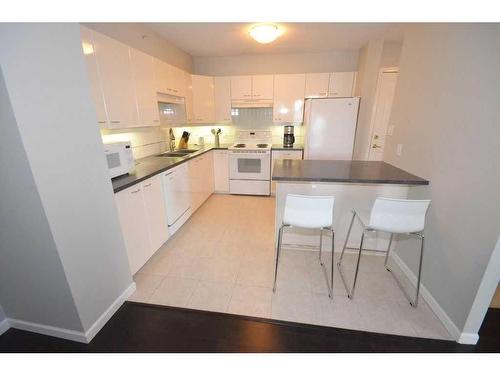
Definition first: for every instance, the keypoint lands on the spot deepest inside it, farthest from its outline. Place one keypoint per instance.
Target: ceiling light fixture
(265, 32)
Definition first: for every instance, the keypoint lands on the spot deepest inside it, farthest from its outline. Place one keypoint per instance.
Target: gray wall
(446, 116)
(313, 62)
(47, 83)
(154, 45)
(33, 286)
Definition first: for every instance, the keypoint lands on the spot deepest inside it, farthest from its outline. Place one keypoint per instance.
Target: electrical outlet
(399, 149)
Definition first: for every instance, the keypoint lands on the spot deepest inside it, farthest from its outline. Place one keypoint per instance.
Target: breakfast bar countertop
(347, 171)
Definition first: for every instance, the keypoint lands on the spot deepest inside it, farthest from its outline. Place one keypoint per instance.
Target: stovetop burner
(262, 145)
(239, 145)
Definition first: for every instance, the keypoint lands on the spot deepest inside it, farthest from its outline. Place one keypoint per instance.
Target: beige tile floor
(222, 260)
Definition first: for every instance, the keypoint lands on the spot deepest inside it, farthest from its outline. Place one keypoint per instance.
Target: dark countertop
(279, 146)
(149, 166)
(351, 171)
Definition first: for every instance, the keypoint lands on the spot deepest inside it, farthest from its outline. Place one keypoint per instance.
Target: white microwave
(119, 157)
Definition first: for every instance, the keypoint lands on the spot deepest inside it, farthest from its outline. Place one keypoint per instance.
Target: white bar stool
(311, 212)
(395, 216)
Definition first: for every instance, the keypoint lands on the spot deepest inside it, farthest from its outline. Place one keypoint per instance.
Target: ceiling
(225, 39)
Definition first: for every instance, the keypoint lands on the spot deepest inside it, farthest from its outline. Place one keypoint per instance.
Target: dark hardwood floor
(140, 327)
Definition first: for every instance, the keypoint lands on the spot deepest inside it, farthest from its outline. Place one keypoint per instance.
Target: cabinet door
(263, 87)
(341, 84)
(154, 202)
(162, 76)
(203, 99)
(196, 176)
(317, 85)
(133, 221)
(176, 85)
(222, 93)
(221, 171)
(279, 155)
(144, 82)
(208, 164)
(289, 98)
(188, 87)
(113, 61)
(95, 83)
(241, 87)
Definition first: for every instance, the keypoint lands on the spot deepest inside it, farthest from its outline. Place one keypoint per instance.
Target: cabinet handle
(148, 185)
(156, 120)
(115, 122)
(174, 90)
(246, 95)
(322, 93)
(256, 95)
(101, 122)
(135, 191)
(227, 119)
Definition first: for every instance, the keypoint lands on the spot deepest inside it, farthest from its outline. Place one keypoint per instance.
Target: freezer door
(330, 126)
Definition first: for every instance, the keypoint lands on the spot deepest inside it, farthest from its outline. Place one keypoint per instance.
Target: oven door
(249, 165)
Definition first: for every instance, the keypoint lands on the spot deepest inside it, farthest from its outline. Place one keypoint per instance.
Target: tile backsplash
(154, 140)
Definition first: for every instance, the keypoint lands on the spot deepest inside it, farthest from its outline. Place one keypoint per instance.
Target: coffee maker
(288, 137)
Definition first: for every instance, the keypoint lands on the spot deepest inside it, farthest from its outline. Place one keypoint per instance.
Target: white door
(155, 209)
(221, 171)
(241, 87)
(222, 94)
(317, 85)
(203, 99)
(95, 82)
(133, 221)
(115, 71)
(383, 104)
(263, 87)
(341, 84)
(144, 82)
(288, 103)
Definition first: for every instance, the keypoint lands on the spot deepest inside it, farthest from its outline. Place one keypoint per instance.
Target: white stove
(250, 163)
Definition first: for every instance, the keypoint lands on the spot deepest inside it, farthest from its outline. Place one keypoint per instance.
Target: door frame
(391, 69)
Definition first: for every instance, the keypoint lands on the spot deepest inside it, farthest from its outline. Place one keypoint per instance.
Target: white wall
(46, 80)
(133, 34)
(391, 52)
(312, 62)
(446, 117)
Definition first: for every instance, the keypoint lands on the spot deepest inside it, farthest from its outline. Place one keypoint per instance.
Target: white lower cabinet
(221, 171)
(141, 211)
(280, 155)
(155, 210)
(201, 179)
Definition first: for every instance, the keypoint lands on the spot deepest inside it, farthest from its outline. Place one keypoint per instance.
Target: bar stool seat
(310, 212)
(394, 216)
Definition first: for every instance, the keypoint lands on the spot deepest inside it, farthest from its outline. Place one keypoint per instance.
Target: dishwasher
(177, 196)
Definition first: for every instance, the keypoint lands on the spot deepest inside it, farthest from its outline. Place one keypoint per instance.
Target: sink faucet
(172, 139)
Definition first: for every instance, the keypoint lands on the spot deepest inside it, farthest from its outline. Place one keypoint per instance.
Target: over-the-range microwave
(119, 157)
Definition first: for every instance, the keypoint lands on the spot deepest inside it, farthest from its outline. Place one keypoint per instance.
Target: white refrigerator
(330, 127)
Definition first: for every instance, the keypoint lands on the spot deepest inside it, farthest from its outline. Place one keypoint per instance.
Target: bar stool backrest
(308, 211)
(398, 215)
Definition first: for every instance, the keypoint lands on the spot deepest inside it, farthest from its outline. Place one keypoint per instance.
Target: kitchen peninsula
(355, 184)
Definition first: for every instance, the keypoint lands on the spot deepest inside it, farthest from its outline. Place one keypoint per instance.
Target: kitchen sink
(185, 151)
(177, 154)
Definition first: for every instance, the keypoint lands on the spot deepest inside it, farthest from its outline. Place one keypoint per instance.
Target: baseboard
(4, 326)
(468, 338)
(427, 296)
(43, 329)
(103, 319)
(68, 334)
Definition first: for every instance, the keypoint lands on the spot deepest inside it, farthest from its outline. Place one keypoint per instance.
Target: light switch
(399, 149)
(390, 130)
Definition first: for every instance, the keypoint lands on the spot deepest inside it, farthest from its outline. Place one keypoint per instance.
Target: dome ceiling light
(265, 32)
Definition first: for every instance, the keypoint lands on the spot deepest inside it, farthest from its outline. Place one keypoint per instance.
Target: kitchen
(203, 160)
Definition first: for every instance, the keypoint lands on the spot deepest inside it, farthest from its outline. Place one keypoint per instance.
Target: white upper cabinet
(115, 72)
(169, 79)
(342, 84)
(241, 87)
(203, 99)
(317, 85)
(147, 106)
(222, 93)
(289, 97)
(263, 87)
(188, 88)
(95, 83)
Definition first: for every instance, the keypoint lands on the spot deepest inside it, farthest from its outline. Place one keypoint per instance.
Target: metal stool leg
(280, 234)
(388, 251)
(350, 293)
(331, 265)
(320, 245)
(346, 239)
(413, 302)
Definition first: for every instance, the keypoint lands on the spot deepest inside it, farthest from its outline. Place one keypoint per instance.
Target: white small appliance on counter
(119, 157)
